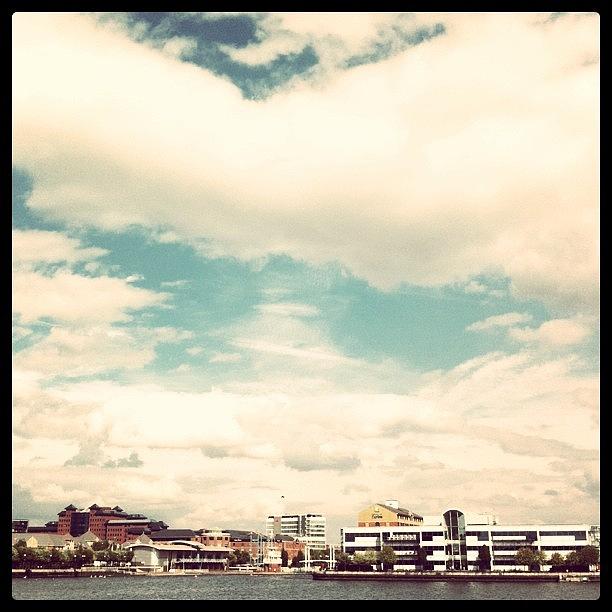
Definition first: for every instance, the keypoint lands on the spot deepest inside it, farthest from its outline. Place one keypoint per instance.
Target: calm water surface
(285, 587)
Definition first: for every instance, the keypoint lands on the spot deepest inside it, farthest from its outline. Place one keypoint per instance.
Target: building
(263, 550)
(594, 535)
(20, 526)
(76, 522)
(170, 535)
(123, 530)
(49, 527)
(307, 528)
(213, 537)
(454, 539)
(292, 546)
(179, 555)
(88, 539)
(48, 541)
(388, 514)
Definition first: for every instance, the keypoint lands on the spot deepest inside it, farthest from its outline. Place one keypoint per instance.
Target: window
(578, 535)
(528, 535)
(482, 535)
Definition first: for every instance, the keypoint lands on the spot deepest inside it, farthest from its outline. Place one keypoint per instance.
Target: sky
(305, 262)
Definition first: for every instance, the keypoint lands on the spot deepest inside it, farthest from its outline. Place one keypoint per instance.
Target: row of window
(545, 547)
(350, 537)
(426, 536)
(578, 535)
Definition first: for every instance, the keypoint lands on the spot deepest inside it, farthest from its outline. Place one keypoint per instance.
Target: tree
(28, 556)
(589, 555)
(371, 557)
(556, 560)
(101, 545)
(42, 557)
(342, 560)
(242, 557)
(57, 558)
(15, 555)
(484, 558)
(284, 558)
(342, 557)
(295, 562)
(421, 557)
(114, 557)
(387, 557)
(531, 557)
(127, 555)
(318, 554)
(20, 544)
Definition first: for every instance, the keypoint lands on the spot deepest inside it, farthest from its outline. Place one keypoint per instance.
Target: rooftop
(401, 511)
(173, 534)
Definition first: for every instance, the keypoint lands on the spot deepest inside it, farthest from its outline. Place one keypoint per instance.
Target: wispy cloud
(289, 309)
(309, 353)
(504, 320)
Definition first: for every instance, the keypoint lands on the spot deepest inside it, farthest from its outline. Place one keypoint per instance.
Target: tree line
(24, 557)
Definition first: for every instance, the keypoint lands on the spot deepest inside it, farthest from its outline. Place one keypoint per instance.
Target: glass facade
(456, 549)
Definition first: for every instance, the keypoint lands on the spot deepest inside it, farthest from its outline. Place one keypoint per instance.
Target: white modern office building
(453, 540)
(307, 528)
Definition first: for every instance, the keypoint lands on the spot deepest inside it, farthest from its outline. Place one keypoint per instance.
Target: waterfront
(229, 587)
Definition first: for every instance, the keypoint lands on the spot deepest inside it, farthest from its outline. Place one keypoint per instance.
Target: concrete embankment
(92, 572)
(69, 573)
(458, 576)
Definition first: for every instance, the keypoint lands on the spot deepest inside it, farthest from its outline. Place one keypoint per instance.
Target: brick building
(126, 530)
(213, 537)
(261, 547)
(96, 519)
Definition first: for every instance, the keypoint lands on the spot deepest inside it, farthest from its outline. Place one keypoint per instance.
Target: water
(230, 587)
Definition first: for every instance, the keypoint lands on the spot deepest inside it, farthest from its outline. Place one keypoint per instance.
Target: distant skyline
(339, 258)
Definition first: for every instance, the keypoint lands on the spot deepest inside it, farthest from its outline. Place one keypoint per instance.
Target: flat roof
(180, 547)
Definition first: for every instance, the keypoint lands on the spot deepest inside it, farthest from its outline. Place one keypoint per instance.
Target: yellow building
(388, 514)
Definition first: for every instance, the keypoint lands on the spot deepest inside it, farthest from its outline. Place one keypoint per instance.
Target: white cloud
(504, 320)
(558, 332)
(39, 246)
(176, 283)
(529, 423)
(289, 309)
(73, 298)
(372, 166)
(473, 286)
(134, 278)
(194, 350)
(315, 353)
(179, 46)
(70, 351)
